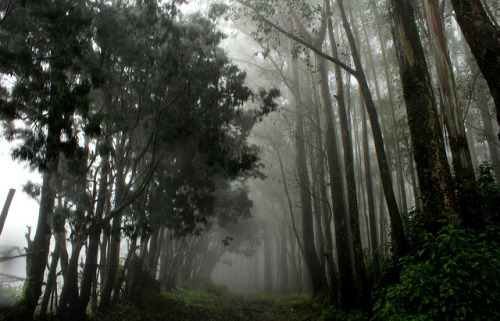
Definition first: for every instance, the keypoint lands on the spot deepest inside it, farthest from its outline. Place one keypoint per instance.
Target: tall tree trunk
(113, 262)
(399, 240)
(392, 108)
(316, 273)
(493, 144)
(318, 231)
(91, 258)
(152, 259)
(369, 192)
(284, 287)
(468, 200)
(268, 271)
(483, 38)
(51, 281)
(347, 290)
(359, 263)
(326, 219)
(41, 243)
(433, 170)
(120, 278)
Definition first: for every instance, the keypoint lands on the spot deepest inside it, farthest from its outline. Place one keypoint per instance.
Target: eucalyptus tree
(483, 37)
(426, 135)
(49, 54)
(468, 195)
(262, 13)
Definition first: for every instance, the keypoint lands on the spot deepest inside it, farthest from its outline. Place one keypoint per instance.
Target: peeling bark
(432, 166)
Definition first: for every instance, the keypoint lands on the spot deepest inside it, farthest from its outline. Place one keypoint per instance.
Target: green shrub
(454, 276)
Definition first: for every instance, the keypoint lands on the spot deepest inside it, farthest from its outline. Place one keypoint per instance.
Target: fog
(276, 148)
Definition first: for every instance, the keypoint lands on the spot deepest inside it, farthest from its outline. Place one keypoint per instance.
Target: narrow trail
(213, 308)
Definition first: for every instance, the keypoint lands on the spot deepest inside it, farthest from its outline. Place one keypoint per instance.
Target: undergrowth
(454, 276)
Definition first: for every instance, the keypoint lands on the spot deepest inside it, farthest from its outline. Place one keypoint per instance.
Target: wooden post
(6, 207)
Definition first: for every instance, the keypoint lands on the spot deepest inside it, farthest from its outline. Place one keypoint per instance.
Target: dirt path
(254, 308)
(224, 308)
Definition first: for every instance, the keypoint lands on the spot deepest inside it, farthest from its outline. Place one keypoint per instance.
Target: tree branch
(299, 40)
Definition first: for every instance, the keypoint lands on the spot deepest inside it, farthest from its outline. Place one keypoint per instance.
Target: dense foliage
(453, 275)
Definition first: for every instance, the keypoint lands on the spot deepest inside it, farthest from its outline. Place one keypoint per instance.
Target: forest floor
(189, 305)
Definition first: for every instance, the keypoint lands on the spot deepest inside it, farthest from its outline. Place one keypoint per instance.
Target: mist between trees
(275, 146)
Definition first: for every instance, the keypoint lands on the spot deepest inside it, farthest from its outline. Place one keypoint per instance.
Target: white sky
(23, 210)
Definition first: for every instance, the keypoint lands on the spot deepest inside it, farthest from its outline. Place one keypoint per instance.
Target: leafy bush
(455, 276)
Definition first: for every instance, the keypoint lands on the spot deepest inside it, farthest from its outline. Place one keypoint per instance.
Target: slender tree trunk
(468, 200)
(347, 291)
(41, 243)
(359, 263)
(284, 260)
(483, 38)
(51, 281)
(91, 259)
(381, 219)
(392, 108)
(316, 273)
(120, 277)
(318, 231)
(326, 219)
(433, 170)
(113, 262)
(369, 192)
(152, 252)
(493, 144)
(399, 240)
(268, 273)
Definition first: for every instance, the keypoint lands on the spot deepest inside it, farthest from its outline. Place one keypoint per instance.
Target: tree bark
(41, 243)
(96, 227)
(489, 133)
(326, 218)
(468, 194)
(51, 281)
(347, 290)
(268, 273)
(398, 236)
(369, 192)
(316, 273)
(433, 170)
(284, 286)
(359, 263)
(483, 38)
(390, 93)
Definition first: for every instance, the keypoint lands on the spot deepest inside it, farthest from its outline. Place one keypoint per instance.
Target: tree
(49, 53)
(432, 166)
(468, 198)
(316, 273)
(483, 38)
(266, 25)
